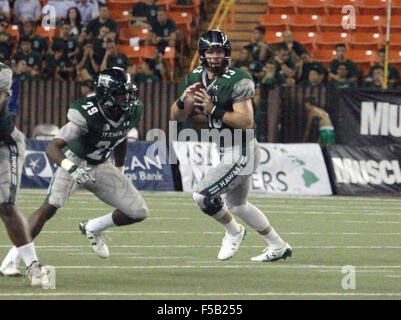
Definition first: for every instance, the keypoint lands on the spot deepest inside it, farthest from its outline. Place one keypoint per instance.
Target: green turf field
(173, 254)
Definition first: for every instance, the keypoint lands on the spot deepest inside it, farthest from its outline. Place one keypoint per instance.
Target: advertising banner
(292, 169)
(366, 117)
(146, 172)
(365, 170)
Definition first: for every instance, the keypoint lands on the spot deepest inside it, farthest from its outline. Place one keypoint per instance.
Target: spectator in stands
(315, 78)
(99, 43)
(305, 64)
(74, 19)
(271, 77)
(261, 51)
(377, 79)
(341, 53)
(113, 58)
(27, 10)
(161, 68)
(21, 70)
(342, 81)
(89, 10)
(4, 10)
(393, 76)
(322, 118)
(61, 7)
(146, 72)
(245, 58)
(143, 14)
(285, 65)
(87, 88)
(5, 42)
(256, 69)
(295, 49)
(163, 31)
(70, 43)
(93, 27)
(58, 65)
(39, 44)
(33, 60)
(88, 62)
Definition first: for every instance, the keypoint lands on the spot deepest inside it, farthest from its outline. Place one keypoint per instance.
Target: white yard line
(210, 246)
(222, 232)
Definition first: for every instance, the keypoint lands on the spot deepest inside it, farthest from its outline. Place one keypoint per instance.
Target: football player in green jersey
(12, 153)
(97, 125)
(227, 104)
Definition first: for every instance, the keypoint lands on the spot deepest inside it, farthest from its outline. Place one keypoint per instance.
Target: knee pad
(211, 206)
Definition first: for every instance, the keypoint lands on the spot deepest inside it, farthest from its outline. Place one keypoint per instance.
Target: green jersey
(102, 134)
(235, 85)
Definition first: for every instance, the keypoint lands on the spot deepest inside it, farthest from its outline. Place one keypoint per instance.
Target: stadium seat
(330, 23)
(366, 41)
(47, 33)
(121, 17)
(193, 9)
(372, 7)
(282, 6)
(307, 39)
(364, 58)
(328, 40)
(273, 37)
(147, 52)
(335, 6)
(275, 22)
(317, 7)
(13, 30)
(396, 7)
(45, 132)
(395, 25)
(183, 21)
(127, 33)
(120, 5)
(324, 56)
(306, 23)
(134, 54)
(165, 3)
(394, 57)
(395, 41)
(368, 24)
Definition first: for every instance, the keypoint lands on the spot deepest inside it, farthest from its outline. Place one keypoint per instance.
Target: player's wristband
(218, 112)
(67, 164)
(180, 104)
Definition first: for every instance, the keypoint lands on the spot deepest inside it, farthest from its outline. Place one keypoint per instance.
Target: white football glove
(81, 175)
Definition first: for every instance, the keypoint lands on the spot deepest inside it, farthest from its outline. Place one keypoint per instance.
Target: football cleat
(270, 254)
(95, 240)
(230, 244)
(38, 276)
(10, 270)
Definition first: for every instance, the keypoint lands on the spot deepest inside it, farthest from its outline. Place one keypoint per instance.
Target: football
(189, 100)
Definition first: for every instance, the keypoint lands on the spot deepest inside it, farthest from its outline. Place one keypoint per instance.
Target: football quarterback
(226, 101)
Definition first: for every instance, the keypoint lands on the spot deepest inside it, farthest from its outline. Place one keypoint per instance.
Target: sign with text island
(284, 169)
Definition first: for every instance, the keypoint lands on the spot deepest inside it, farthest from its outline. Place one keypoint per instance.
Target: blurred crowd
(288, 63)
(87, 42)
